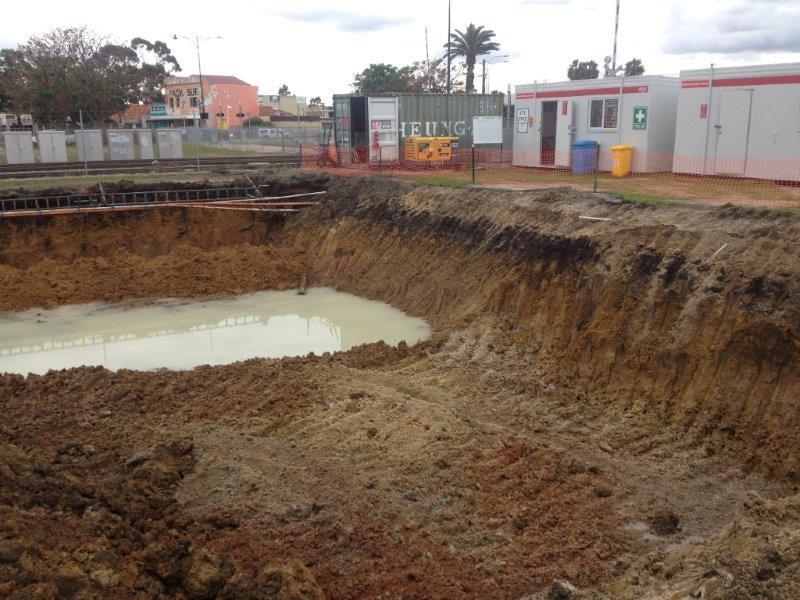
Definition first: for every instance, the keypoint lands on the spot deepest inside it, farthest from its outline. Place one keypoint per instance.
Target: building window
(603, 113)
(193, 101)
(171, 102)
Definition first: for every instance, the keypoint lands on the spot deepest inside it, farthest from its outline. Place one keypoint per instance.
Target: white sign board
(487, 130)
(522, 120)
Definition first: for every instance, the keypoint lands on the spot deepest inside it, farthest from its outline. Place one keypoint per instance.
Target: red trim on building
(737, 81)
(606, 91)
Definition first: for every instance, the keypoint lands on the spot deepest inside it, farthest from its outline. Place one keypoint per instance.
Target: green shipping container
(373, 128)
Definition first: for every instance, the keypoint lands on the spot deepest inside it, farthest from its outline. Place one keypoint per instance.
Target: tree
(583, 70)
(634, 67)
(381, 78)
(468, 45)
(58, 74)
(284, 90)
(153, 73)
(430, 77)
(315, 101)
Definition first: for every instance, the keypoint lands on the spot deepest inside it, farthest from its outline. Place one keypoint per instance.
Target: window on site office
(603, 113)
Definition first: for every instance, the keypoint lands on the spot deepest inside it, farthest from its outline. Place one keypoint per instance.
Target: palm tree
(634, 67)
(469, 45)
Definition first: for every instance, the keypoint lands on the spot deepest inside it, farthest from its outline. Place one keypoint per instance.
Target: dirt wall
(688, 316)
(684, 315)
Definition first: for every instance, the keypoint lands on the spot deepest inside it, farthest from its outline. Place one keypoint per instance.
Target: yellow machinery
(427, 149)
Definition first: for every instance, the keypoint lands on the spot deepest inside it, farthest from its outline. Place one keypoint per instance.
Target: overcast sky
(316, 46)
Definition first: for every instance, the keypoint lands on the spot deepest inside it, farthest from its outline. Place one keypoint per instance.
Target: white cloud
(345, 21)
(756, 26)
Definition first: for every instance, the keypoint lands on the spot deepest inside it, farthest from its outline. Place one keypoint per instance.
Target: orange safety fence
(653, 177)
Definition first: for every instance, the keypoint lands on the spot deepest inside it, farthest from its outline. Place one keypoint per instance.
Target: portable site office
(638, 111)
(740, 121)
(373, 128)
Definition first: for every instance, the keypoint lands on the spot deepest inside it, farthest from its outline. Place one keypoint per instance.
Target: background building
(225, 96)
(295, 105)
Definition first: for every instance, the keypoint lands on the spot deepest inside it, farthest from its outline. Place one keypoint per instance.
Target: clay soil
(606, 409)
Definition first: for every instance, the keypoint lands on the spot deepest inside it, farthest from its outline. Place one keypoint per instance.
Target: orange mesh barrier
(759, 182)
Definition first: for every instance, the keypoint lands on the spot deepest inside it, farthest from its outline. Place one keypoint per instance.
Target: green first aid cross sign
(640, 117)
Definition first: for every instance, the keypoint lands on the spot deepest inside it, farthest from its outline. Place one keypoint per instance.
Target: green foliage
(55, 75)
(382, 78)
(315, 101)
(583, 70)
(634, 67)
(284, 90)
(470, 44)
(428, 77)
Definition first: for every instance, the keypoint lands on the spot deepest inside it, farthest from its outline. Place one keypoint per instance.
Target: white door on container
(733, 131)
(565, 128)
(384, 131)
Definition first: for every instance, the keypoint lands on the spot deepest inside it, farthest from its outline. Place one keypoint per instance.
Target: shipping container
(740, 121)
(636, 111)
(373, 128)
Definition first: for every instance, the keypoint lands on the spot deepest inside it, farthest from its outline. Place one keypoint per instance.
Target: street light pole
(198, 41)
(200, 76)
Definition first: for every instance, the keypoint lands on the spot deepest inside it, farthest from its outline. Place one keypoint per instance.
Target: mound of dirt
(85, 524)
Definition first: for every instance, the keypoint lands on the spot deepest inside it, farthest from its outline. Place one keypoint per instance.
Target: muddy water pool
(180, 334)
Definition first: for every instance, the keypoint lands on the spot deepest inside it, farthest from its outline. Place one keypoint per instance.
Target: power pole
(616, 31)
(448, 47)
(483, 77)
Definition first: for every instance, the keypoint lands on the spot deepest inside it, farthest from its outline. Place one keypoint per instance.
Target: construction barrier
(653, 178)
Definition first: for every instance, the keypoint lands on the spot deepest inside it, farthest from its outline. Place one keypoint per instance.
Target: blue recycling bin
(584, 156)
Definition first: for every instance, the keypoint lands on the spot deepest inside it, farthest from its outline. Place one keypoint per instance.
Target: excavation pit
(581, 377)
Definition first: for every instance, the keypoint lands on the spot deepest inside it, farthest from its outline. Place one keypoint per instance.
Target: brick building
(225, 96)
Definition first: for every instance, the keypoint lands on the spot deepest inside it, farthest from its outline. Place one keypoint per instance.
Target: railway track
(141, 166)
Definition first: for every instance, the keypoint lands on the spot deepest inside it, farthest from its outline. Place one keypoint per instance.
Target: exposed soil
(606, 408)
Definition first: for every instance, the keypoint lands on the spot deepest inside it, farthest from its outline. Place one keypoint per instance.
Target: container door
(565, 129)
(733, 131)
(342, 119)
(384, 131)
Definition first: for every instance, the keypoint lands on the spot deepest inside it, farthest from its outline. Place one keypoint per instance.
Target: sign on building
(640, 117)
(522, 120)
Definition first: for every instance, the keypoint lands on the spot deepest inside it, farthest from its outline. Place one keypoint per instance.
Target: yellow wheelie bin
(621, 159)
